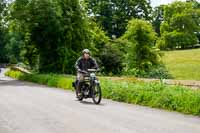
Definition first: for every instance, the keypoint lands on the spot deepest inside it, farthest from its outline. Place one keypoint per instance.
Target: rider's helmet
(86, 51)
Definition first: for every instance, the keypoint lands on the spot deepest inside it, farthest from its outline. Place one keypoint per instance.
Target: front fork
(93, 83)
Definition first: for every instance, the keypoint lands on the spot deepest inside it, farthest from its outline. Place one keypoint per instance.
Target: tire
(96, 94)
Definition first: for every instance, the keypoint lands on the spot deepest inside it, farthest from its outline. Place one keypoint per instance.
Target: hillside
(183, 64)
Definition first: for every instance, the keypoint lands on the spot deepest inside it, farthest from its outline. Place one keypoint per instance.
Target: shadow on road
(91, 103)
(4, 83)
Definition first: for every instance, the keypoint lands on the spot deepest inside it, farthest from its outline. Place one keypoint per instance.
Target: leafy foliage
(54, 31)
(3, 30)
(49, 36)
(157, 16)
(181, 22)
(158, 72)
(113, 15)
(112, 57)
(141, 53)
(176, 39)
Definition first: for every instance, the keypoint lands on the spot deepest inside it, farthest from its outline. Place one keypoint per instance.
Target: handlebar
(82, 71)
(88, 71)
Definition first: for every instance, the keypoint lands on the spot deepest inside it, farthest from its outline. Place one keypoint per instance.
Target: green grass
(51, 80)
(154, 94)
(183, 64)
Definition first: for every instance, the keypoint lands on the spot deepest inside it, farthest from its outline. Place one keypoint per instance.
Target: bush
(141, 53)
(158, 72)
(176, 39)
(51, 80)
(152, 94)
(112, 57)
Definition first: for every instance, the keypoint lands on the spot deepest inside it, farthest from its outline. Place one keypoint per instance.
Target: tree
(157, 16)
(141, 54)
(54, 32)
(3, 31)
(98, 38)
(181, 22)
(196, 14)
(175, 39)
(113, 15)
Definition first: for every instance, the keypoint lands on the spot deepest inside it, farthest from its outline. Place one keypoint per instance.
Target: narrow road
(31, 108)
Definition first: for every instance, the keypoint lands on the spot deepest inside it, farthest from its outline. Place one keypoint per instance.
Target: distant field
(183, 64)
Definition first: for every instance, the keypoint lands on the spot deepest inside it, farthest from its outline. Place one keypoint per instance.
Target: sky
(160, 2)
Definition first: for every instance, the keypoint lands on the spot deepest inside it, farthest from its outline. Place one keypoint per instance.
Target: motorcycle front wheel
(96, 94)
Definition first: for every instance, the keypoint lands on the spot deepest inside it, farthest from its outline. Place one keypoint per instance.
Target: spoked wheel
(96, 94)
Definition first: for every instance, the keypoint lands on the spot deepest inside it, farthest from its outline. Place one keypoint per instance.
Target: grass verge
(156, 95)
(183, 64)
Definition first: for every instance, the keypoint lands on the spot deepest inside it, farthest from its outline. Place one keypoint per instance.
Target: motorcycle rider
(84, 63)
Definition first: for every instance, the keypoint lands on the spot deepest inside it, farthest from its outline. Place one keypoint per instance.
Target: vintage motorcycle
(90, 87)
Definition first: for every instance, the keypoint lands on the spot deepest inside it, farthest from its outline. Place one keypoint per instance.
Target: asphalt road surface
(31, 108)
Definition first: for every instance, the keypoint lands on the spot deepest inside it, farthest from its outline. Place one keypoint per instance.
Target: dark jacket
(83, 64)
